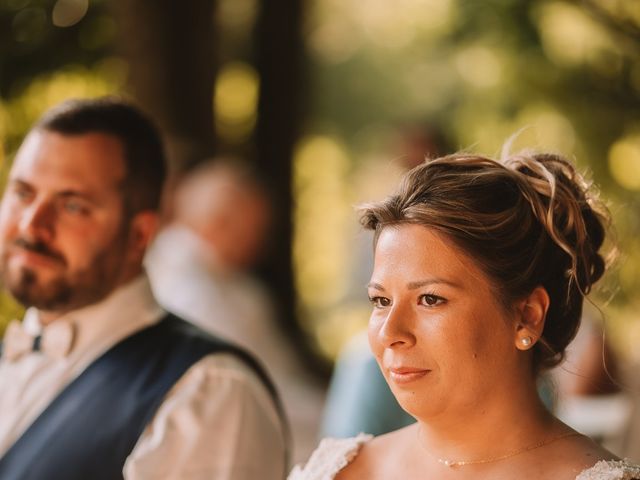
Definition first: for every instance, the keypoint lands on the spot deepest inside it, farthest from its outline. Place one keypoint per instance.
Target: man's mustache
(40, 248)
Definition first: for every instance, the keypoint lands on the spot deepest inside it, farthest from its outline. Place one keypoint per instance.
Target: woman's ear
(532, 312)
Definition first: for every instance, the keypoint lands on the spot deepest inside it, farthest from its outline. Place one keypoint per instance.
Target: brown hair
(144, 154)
(528, 220)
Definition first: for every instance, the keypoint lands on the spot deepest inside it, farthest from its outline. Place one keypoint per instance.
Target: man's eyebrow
(20, 182)
(81, 194)
(69, 192)
(375, 286)
(74, 193)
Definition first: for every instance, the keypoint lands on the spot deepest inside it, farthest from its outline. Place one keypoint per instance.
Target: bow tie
(55, 341)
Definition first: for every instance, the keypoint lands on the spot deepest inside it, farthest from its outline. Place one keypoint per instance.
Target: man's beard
(67, 290)
(25, 288)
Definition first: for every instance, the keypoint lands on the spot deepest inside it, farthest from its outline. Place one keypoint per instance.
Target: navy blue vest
(91, 427)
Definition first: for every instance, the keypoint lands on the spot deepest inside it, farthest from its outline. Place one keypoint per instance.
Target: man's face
(63, 232)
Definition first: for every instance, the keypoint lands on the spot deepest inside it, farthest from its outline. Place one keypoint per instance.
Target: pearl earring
(526, 341)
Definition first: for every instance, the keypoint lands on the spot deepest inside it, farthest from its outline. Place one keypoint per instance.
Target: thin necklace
(462, 463)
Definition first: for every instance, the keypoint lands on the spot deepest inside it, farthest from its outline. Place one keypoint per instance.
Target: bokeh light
(624, 162)
(67, 13)
(47, 90)
(236, 101)
(320, 167)
(569, 35)
(479, 66)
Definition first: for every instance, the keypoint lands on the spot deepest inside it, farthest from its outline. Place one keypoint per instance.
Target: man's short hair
(144, 154)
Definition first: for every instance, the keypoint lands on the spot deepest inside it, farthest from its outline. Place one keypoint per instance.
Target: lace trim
(331, 456)
(611, 470)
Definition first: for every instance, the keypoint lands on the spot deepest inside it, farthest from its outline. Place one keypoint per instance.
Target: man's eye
(22, 193)
(431, 300)
(75, 207)
(380, 302)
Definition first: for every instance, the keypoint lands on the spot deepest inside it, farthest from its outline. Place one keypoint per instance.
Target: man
(199, 267)
(199, 263)
(99, 382)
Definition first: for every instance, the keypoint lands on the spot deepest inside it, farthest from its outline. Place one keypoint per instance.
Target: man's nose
(37, 221)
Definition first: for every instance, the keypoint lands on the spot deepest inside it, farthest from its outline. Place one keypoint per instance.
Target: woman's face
(442, 340)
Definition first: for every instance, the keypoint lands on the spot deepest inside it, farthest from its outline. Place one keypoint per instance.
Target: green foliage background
(478, 71)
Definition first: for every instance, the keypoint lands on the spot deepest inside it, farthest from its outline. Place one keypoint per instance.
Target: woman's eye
(380, 302)
(431, 300)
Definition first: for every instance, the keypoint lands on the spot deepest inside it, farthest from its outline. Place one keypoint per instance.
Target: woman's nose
(396, 330)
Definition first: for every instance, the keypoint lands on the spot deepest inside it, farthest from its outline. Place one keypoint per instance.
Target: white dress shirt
(217, 422)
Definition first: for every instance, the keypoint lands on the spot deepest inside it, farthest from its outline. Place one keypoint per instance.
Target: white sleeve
(218, 422)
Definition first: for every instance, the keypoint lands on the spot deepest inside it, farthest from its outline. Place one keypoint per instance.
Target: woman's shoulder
(581, 454)
(331, 456)
(611, 470)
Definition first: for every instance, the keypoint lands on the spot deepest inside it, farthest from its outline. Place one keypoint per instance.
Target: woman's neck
(504, 424)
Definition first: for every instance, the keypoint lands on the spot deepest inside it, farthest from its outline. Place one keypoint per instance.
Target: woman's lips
(402, 375)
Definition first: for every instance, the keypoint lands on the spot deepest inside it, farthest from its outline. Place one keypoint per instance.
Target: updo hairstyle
(528, 220)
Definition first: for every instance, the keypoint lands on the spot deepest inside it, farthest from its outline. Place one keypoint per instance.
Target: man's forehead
(86, 158)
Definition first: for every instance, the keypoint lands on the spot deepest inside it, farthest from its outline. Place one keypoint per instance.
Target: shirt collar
(127, 309)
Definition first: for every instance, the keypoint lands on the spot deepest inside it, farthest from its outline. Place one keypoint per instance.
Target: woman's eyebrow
(418, 284)
(431, 281)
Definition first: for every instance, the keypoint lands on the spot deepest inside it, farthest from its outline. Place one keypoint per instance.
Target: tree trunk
(169, 47)
(279, 51)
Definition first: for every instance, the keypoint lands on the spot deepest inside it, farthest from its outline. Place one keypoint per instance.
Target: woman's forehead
(417, 249)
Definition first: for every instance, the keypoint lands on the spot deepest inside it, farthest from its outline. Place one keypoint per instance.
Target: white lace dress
(332, 455)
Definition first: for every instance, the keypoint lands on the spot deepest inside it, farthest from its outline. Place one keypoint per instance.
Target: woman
(481, 268)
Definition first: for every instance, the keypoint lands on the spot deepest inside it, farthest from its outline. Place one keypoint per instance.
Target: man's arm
(218, 422)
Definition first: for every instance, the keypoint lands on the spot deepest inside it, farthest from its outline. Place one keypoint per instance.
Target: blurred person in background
(199, 263)
(631, 438)
(98, 382)
(585, 390)
(199, 267)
